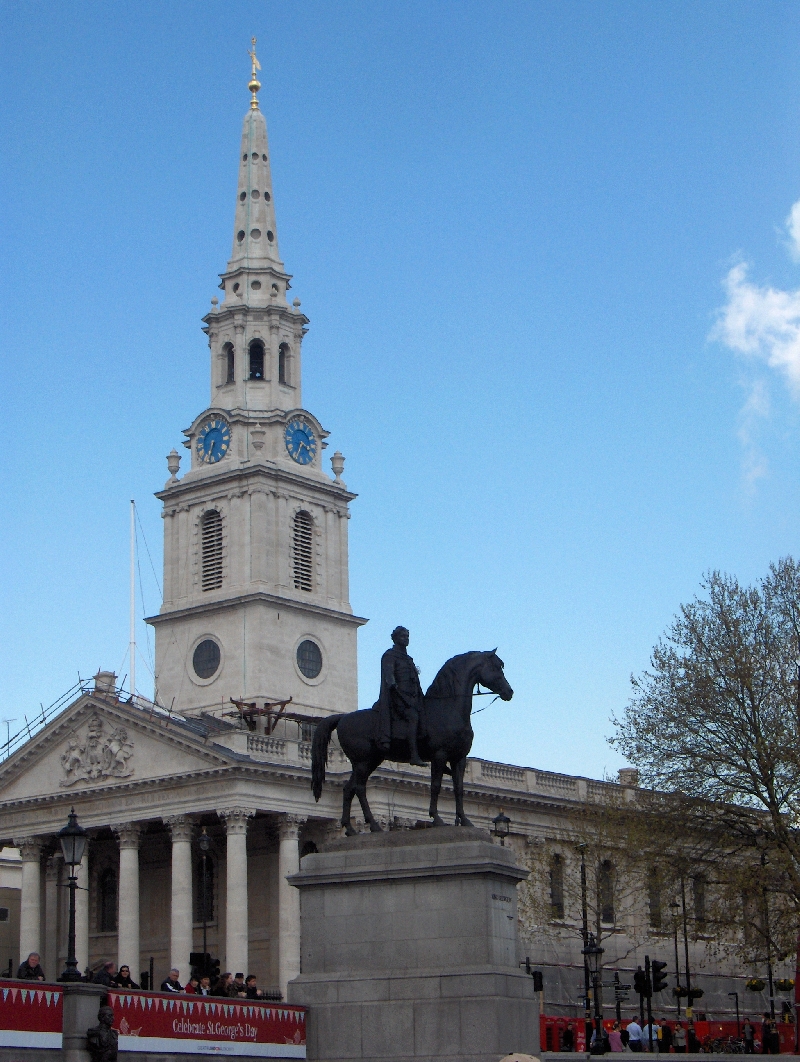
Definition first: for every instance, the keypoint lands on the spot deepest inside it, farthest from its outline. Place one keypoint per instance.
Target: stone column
(30, 848)
(236, 924)
(50, 954)
(82, 913)
(180, 827)
(128, 917)
(288, 901)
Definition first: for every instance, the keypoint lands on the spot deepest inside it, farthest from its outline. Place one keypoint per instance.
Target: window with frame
(256, 360)
(107, 896)
(211, 550)
(557, 886)
(605, 891)
(229, 362)
(283, 363)
(654, 898)
(303, 551)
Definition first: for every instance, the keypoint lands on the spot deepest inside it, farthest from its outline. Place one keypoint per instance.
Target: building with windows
(255, 640)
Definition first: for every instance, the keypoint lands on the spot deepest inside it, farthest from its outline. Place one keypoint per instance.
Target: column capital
(127, 834)
(30, 848)
(235, 819)
(289, 827)
(180, 826)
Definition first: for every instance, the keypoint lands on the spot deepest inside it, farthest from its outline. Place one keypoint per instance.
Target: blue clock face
(301, 443)
(213, 440)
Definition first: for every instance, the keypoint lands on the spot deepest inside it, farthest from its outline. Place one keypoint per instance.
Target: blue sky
(555, 325)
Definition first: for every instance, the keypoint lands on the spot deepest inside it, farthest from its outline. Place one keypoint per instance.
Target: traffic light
(659, 975)
(214, 972)
(640, 984)
(538, 980)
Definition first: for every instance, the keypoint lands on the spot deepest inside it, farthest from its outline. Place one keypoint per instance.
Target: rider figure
(401, 691)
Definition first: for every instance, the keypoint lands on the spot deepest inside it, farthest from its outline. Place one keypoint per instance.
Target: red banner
(30, 1016)
(180, 1024)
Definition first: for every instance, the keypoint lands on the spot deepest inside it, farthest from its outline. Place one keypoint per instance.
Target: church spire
(255, 234)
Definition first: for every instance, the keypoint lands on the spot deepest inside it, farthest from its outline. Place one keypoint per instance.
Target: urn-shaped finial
(173, 464)
(337, 464)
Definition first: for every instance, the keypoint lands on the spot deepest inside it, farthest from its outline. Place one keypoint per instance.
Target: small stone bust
(101, 1040)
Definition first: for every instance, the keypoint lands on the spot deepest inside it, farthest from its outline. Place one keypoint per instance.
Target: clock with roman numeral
(213, 440)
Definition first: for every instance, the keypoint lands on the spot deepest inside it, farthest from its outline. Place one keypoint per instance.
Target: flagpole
(132, 645)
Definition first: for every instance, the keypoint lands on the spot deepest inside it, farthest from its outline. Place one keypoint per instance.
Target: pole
(152, 986)
(587, 1020)
(205, 917)
(598, 1015)
(689, 1000)
(617, 999)
(677, 969)
(649, 983)
(132, 646)
(767, 934)
(71, 969)
(736, 1000)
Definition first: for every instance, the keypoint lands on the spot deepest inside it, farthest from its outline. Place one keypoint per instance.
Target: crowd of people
(675, 1037)
(232, 986)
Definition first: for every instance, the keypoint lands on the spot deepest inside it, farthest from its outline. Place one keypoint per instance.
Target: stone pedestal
(409, 950)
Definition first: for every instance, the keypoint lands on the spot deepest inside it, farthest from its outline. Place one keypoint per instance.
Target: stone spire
(255, 234)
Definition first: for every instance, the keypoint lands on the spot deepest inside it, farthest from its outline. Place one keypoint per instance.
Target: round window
(309, 658)
(205, 660)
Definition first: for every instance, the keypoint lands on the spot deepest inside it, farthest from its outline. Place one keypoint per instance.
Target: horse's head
(490, 674)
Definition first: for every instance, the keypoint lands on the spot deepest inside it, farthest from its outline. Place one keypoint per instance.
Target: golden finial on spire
(255, 84)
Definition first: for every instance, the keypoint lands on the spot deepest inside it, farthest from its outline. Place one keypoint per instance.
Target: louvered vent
(303, 551)
(211, 545)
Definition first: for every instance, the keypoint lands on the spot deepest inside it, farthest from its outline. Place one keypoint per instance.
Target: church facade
(256, 609)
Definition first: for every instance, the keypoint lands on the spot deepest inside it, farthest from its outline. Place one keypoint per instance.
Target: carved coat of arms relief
(97, 755)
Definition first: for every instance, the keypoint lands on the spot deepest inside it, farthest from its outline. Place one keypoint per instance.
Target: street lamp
(73, 840)
(738, 1024)
(204, 842)
(689, 996)
(594, 957)
(762, 842)
(675, 909)
(501, 826)
(587, 1017)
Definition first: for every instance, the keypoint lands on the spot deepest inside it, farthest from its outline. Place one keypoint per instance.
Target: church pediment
(95, 744)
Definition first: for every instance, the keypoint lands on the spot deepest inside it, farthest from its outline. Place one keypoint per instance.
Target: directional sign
(615, 984)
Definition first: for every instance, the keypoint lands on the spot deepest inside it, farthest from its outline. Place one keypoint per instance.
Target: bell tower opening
(256, 360)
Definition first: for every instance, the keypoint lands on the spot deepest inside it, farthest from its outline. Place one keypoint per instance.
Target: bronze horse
(445, 736)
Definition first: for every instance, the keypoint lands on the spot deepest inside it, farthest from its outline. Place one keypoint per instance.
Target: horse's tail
(319, 752)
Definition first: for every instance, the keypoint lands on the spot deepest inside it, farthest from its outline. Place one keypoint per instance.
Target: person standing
(635, 1036)
(568, 1039)
(679, 1038)
(615, 1037)
(749, 1034)
(31, 969)
(665, 1043)
(650, 1037)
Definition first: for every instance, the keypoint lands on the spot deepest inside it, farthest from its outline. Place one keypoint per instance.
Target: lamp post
(204, 844)
(594, 957)
(675, 911)
(585, 932)
(762, 841)
(73, 844)
(738, 1024)
(501, 826)
(689, 998)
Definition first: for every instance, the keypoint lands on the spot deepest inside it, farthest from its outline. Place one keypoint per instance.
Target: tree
(714, 724)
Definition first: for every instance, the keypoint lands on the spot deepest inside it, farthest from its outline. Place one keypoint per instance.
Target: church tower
(256, 596)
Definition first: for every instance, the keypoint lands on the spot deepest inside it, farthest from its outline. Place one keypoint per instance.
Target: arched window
(204, 896)
(283, 363)
(303, 551)
(256, 360)
(211, 548)
(557, 886)
(605, 891)
(230, 363)
(699, 900)
(107, 907)
(654, 898)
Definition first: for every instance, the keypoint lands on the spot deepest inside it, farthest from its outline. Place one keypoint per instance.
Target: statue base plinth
(409, 950)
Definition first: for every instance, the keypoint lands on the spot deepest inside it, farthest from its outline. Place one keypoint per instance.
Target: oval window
(206, 658)
(309, 658)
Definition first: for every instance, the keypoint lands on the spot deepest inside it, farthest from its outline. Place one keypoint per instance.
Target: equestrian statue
(404, 726)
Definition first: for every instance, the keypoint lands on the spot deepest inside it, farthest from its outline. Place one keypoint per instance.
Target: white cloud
(762, 323)
(755, 409)
(793, 228)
